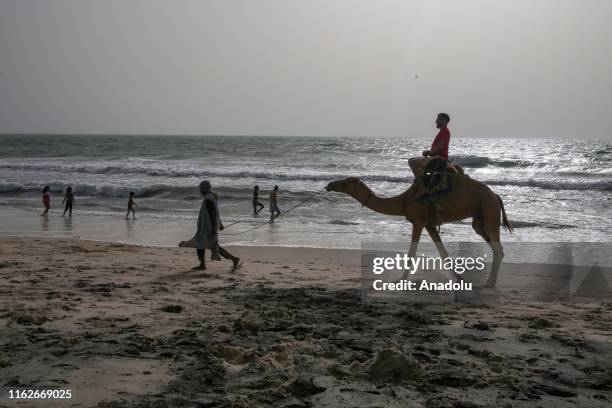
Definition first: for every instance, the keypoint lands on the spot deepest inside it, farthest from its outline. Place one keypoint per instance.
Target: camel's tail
(505, 221)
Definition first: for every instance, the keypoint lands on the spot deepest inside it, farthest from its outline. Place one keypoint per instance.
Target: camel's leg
(490, 229)
(417, 229)
(435, 237)
(479, 228)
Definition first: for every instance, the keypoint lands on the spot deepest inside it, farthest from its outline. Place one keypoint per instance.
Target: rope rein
(270, 221)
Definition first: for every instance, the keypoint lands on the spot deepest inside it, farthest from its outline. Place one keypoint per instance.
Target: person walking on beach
(46, 200)
(69, 200)
(274, 210)
(208, 226)
(214, 253)
(130, 206)
(257, 206)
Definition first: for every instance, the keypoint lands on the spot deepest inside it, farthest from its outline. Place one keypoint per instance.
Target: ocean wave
(549, 225)
(330, 144)
(92, 189)
(190, 192)
(10, 187)
(341, 222)
(602, 185)
(299, 175)
(585, 174)
(161, 191)
(167, 172)
(324, 173)
(474, 162)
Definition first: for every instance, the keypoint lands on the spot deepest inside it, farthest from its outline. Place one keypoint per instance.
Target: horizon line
(292, 136)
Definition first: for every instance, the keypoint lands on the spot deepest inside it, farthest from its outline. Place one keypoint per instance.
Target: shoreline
(371, 245)
(9, 234)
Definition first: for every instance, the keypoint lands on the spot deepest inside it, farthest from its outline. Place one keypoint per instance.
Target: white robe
(205, 237)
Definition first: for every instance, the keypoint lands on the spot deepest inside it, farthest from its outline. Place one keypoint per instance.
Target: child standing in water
(46, 200)
(69, 200)
(131, 205)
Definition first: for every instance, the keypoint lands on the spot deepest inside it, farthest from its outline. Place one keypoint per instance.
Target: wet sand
(130, 326)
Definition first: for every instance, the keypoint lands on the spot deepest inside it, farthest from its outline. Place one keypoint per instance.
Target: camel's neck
(383, 205)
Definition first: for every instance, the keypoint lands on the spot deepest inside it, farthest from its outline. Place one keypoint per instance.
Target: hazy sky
(505, 68)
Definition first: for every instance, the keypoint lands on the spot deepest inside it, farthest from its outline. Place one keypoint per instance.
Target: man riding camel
(439, 148)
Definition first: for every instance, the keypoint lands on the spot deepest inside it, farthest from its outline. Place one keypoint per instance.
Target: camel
(469, 198)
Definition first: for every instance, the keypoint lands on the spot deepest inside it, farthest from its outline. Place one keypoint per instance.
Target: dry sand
(129, 326)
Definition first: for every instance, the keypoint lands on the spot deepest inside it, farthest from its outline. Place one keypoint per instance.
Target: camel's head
(344, 186)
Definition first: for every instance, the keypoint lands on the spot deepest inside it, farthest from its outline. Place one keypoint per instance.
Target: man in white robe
(208, 226)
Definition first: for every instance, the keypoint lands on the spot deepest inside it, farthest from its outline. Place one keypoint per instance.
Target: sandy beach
(419, 194)
(125, 326)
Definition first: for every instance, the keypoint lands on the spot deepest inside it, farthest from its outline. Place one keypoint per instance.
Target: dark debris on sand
(310, 347)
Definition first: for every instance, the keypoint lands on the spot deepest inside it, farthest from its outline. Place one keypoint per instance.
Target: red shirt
(444, 137)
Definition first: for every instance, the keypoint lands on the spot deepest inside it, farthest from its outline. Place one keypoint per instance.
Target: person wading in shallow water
(69, 200)
(257, 206)
(130, 206)
(274, 210)
(439, 148)
(207, 234)
(46, 200)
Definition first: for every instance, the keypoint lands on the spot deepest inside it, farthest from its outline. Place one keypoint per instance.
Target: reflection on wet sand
(131, 233)
(67, 223)
(45, 223)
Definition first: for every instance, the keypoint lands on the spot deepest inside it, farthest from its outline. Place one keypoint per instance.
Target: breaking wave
(170, 191)
(474, 162)
(163, 191)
